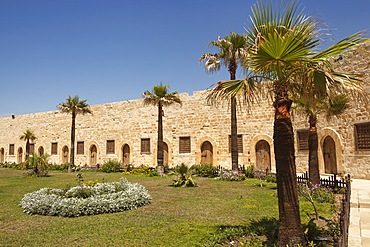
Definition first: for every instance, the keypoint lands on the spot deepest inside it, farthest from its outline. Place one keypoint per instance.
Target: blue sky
(108, 51)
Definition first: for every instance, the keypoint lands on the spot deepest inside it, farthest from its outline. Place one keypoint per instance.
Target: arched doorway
(165, 153)
(330, 157)
(93, 155)
(263, 157)
(20, 155)
(65, 151)
(126, 154)
(41, 151)
(2, 156)
(207, 153)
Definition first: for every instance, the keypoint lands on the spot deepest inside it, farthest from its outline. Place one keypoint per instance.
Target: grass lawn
(176, 216)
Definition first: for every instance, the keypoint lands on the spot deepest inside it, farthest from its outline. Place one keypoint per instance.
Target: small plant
(249, 172)
(204, 170)
(270, 177)
(184, 179)
(111, 166)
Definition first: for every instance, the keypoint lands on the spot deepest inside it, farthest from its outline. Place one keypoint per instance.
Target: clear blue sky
(114, 50)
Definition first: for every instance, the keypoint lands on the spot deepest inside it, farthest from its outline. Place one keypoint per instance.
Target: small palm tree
(231, 53)
(160, 97)
(28, 135)
(74, 106)
(37, 162)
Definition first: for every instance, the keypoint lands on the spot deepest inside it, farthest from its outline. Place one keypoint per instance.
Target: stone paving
(359, 228)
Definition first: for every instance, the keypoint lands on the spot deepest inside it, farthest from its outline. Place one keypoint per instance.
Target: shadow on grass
(265, 229)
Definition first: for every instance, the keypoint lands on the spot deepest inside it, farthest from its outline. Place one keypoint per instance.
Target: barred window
(80, 147)
(32, 148)
(145, 145)
(54, 148)
(302, 140)
(362, 136)
(110, 146)
(240, 143)
(11, 149)
(185, 146)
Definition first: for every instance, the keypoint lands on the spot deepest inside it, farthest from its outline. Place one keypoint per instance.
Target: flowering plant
(231, 176)
(102, 198)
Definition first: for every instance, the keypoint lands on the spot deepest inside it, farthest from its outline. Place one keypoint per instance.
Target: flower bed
(231, 176)
(85, 200)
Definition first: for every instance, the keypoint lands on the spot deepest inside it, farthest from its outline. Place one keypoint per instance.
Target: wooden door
(330, 157)
(207, 153)
(165, 153)
(2, 155)
(65, 154)
(126, 154)
(20, 155)
(263, 158)
(93, 156)
(41, 151)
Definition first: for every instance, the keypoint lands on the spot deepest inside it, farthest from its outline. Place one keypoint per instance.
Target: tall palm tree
(231, 53)
(311, 99)
(284, 43)
(28, 135)
(74, 106)
(160, 97)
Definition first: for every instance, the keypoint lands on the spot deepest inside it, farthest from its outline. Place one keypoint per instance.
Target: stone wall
(127, 122)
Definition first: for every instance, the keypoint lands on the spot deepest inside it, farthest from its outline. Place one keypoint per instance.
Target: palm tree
(74, 106)
(160, 97)
(37, 162)
(28, 135)
(311, 99)
(231, 52)
(284, 43)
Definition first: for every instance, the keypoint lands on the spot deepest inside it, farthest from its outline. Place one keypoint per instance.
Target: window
(80, 147)
(32, 148)
(362, 136)
(302, 140)
(110, 146)
(11, 149)
(145, 145)
(54, 148)
(184, 144)
(240, 143)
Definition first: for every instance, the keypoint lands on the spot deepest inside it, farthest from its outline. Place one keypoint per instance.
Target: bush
(111, 166)
(204, 170)
(34, 174)
(102, 198)
(271, 177)
(55, 167)
(317, 192)
(249, 172)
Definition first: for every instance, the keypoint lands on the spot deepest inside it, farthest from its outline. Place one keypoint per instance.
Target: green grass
(176, 216)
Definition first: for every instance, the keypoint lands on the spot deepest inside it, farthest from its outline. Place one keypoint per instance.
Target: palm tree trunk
(313, 160)
(290, 229)
(234, 126)
(160, 167)
(72, 159)
(27, 149)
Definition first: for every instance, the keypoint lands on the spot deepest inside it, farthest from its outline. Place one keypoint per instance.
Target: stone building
(194, 132)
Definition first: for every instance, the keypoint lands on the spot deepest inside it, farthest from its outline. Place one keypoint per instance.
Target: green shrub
(249, 172)
(270, 177)
(204, 170)
(111, 166)
(56, 167)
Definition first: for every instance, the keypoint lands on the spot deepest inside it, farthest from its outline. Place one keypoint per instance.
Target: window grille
(240, 143)
(362, 136)
(302, 140)
(11, 149)
(145, 145)
(185, 145)
(54, 148)
(80, 147)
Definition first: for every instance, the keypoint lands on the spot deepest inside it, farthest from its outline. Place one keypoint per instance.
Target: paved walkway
(359, 227)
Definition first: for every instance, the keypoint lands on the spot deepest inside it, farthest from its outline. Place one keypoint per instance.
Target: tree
(160, 97)
(37, 162)
(231, 52)
(28, 135)
(74, 106)
(284, 43)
